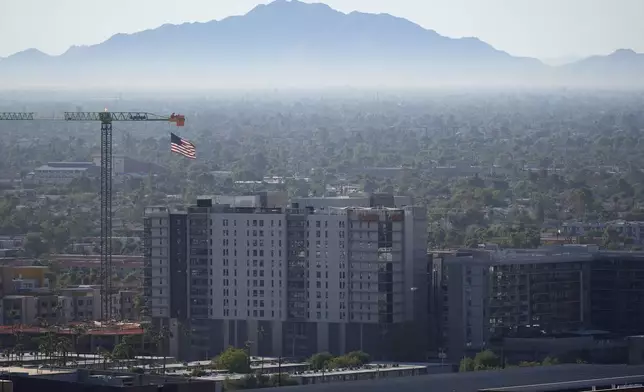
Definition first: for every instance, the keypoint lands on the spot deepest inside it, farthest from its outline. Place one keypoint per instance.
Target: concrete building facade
(483, 296)
(480, 297)
(291, 281)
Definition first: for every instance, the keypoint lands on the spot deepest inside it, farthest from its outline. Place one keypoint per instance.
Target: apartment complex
(288, 280)
(61, 173)
(481, 296)
(628, 231)
(26, 298)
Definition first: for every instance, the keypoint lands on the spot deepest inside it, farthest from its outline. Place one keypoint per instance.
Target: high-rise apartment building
(292, 280)
(165, 273)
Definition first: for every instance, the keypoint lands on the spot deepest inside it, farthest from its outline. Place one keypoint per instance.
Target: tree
(343, 361)
(547, 361)
(105, 355)
(47, 344)
(161, 338)
(235, 360)
(486, 359)
(320, 360)
(34, 245)
(78, 332)
(139, 306)
(63, 346)
(466, 365)
(122, 351)
(360, 357)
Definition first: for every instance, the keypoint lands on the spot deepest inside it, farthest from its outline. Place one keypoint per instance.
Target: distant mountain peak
(31, 52)
(29, 55)
(296, 43)
(624, 52)
(289, 6)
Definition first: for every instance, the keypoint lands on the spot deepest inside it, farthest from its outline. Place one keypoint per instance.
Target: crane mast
(105, 118)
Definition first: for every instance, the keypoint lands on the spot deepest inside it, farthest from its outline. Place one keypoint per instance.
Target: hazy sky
(538, 28)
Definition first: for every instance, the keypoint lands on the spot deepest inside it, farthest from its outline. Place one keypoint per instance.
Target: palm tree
(47, 345)
(97, 355)
(131, 342)
(138, 305)
(106, 355)
(161, 339)
(35, 341)
(260, 338)
(13, 316)
(63, 346)
(78, 331)
(147, 334)
(59, 312)
(19, 346)
(123, 351)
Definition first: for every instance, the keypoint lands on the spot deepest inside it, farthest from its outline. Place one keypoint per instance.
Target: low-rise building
(18, 279)
(359, 200)
(81, 303)
(61, 173)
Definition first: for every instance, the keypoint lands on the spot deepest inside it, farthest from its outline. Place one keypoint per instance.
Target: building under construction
(483, 297)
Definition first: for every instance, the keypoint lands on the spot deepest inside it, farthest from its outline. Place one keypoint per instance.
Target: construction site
(106, 119)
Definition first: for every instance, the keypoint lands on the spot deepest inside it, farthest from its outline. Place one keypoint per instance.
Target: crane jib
(108, 116)
(106, 119)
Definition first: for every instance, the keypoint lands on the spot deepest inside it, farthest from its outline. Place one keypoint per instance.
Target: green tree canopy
(235, 360)
(34, 245)
(320, 360)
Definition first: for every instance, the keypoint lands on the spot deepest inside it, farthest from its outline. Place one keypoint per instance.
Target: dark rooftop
(476, 381)
(586, 385)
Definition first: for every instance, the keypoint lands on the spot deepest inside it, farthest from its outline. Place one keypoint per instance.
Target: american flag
(182, 147)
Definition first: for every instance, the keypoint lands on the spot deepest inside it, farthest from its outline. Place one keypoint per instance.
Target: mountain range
(296, 44)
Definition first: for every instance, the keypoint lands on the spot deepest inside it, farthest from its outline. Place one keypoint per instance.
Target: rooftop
(61, 168)
(599, 383)
(545, 254)
(477, 381)
(93, 328)
(32, 370)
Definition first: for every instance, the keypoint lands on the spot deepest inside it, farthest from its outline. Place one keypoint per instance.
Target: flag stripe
(182, 147)
(182, 151)
(187, 154)
(186, 149)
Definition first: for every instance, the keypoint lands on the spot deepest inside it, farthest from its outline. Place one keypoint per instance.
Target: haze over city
(357, 195)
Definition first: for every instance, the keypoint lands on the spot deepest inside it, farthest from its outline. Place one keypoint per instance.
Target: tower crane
(8, 116)
(105, 118)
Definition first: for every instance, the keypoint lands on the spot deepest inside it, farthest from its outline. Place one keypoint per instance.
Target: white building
(61, 173)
